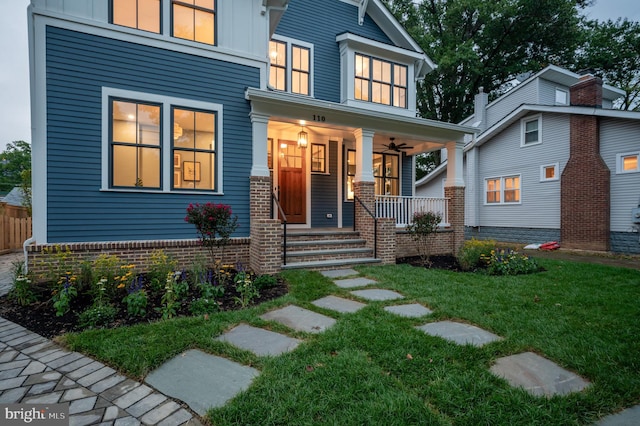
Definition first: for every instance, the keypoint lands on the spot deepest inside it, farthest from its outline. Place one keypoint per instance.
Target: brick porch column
(585, 181)
(364, 224)
(265, 252)
(455, 194)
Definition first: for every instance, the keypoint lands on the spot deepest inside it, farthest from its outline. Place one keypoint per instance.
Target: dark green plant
(473, 253)
(245, 288)
(510, 262)
(97, 316)
(161, 264)
(265, 281)
(64, 295)
(169, 300)
(422, 230)
(22, 293)
(204, 306)
(136, 299)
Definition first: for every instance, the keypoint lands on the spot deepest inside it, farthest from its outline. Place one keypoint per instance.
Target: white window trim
(543, 177)
(289, 43)
(502, 179)
(523, 126)
(619, 157)
(566, 93)
(351, 44)
(166, 143)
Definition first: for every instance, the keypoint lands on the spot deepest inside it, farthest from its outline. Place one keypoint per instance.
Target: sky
(14, 63)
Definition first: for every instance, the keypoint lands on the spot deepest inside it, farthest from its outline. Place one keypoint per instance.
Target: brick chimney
(585, 182)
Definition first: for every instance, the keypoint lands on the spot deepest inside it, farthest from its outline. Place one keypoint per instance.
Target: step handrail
(284, 223)
(375, 224)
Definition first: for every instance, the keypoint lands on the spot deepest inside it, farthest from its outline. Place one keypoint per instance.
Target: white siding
(621, 136)
(547, 92)
(503, 156)
(241, 26)
(524, 94)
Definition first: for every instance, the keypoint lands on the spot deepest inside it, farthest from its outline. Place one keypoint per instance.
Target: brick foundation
(440, 245)
(138, 253)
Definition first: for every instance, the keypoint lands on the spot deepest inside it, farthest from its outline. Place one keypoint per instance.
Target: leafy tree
(14, 160)
(425, 163)
(611, 50)
(480, 43)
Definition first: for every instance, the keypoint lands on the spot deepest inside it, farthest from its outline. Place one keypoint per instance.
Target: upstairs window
(194, 20)
(380, 82)
(562, 97)
(531, 131)
(290, 66)
(140, 14)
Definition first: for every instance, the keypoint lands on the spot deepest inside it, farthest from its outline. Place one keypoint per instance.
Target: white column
(259, 126)
(364, 155)
(455, 156)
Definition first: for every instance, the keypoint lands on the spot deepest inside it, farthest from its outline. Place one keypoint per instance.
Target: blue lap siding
(78, 66)
(319, 22)
(323, 193)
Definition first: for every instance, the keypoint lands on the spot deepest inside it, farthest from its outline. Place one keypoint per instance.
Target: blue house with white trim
(283, 109)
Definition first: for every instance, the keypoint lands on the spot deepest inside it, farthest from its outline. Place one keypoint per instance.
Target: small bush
(136, 299)
(473, 253)
(214, 224)
(422, 230)
(245, 288)
(22, 292)
(265, 281)
(97, 316)
(203, 306)
(510, 262)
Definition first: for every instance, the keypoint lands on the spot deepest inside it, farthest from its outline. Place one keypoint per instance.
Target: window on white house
(531, 131)
(628, 163)
(140, 14)
(159, 143)
(290, 65)
(318, 158)
(502, 190)
(562, 97)
(549, 172)
(380, 82)
(194, 20)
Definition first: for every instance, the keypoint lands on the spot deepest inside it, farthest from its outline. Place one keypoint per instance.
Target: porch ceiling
(286, 110)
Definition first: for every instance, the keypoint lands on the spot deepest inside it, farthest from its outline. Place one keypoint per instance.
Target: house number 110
(319, 118)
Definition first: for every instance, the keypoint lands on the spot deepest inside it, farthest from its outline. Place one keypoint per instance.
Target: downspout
(27, 243)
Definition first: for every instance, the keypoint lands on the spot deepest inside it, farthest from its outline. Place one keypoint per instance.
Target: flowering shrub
(422, 231)
(245, 287)
(136, 299)
(473, 253)
(509, 262)
(62, 296)
(214, 224)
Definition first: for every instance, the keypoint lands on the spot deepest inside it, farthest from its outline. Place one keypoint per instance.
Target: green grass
(584, 317)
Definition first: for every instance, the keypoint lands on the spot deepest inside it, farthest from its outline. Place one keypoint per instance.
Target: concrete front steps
(326, 249)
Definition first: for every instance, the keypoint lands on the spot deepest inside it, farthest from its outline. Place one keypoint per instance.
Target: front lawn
(374, 367)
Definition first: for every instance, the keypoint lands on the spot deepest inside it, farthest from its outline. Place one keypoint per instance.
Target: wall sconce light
(303, 139)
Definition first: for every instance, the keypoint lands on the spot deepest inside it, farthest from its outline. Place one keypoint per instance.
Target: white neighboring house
(553, 161)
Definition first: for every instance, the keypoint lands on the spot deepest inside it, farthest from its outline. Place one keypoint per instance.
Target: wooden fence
(15, 228)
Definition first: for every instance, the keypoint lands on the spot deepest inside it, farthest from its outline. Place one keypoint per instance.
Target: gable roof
(15, 197)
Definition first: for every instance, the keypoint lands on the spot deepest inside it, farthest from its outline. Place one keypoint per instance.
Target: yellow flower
(121, 285)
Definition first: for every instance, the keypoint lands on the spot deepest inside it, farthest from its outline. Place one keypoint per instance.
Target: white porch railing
(403, 208)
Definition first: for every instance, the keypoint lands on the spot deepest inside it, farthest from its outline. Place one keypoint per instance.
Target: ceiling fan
(397, 148)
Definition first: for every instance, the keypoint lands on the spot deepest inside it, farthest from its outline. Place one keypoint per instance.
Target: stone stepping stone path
(413, 310)
(339, 304)
(377, 294)
(260, 342)
(537, 375)
(354, 282)
(300, 319)
(628, 417)
(462, 334)
(201, 380)
(338, 273)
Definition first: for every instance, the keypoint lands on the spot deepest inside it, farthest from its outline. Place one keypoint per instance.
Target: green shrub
(161, 265)
(22, 292)
(510, 262)
(422, 230)
(136, 299)
(97, 316)
(473, 252)
(64, 294)
(204, 306)
(265, 281)
(245, 288)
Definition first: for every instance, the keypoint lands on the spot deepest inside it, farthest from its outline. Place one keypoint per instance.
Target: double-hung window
(194, 20)
(531, 129)
(380, 81)
(290, 65)
(502, 190)
(140, 14)
(157, 143)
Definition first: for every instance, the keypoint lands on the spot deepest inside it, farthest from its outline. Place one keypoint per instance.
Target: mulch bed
(449, 262)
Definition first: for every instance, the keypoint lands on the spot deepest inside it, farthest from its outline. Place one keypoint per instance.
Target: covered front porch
(318, 164)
